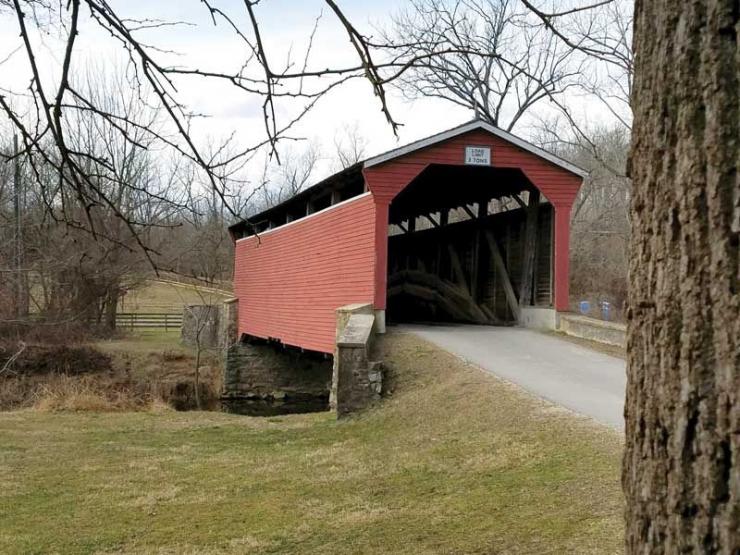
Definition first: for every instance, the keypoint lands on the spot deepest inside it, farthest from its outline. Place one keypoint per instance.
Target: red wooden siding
(558, 185)
(289, 281)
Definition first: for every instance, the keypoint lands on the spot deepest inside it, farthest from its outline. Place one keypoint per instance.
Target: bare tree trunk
(681, 473)
(201, 320)
(197, 374)
(111, 306)
(21, 281)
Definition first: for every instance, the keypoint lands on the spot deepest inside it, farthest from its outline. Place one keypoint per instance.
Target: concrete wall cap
(357, 331)
(593, 322)
(366, 308)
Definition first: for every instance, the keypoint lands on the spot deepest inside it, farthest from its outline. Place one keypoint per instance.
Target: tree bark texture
(681, 473)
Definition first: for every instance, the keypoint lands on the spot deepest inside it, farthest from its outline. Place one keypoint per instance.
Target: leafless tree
(501, 58)
(8, 230)
(202, 248)
(500, 63)
(289, 88)
(42, 115)
(131, 181)
(611, 83)
(600, 225)
(76, 276)
(604, 35)
(350, 147)
(201, 317)
(291, 175)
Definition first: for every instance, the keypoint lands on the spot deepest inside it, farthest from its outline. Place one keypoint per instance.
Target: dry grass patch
(89, 394)
(453, 461)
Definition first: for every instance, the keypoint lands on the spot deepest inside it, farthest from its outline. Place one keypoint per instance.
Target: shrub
(53, 359)
(170, 355)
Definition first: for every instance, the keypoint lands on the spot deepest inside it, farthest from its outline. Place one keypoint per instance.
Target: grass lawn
(453, 461)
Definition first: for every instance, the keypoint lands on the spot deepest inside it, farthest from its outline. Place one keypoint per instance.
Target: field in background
(164, 296)
(454, 461)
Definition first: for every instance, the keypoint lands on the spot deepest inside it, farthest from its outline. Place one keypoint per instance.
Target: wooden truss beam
(528, 248)
(498, 262)
(457, 268)
(519, 201)
(429, 217)
(448, 296)
(468, 211)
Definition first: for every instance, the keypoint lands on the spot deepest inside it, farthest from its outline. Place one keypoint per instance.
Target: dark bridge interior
(468, 244)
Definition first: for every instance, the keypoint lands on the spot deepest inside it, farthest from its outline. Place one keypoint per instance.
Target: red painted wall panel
(289, 281)
(558, 185)
(562, 259)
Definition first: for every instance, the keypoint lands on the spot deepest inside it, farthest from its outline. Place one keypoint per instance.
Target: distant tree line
(116, 185)
(74, 272)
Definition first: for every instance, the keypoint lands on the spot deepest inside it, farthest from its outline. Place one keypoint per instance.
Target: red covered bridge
(471, 224)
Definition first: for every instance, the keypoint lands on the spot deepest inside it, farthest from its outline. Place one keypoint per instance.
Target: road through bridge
(578, 378)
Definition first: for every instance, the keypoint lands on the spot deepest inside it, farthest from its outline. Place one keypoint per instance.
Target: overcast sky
(286, 27)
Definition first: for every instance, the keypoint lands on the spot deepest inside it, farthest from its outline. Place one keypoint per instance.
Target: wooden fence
(169, 321)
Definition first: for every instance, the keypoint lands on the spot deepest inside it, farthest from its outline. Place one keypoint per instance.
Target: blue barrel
(584, 307)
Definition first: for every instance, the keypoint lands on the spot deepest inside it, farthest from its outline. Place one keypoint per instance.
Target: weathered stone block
(200, 325)
(356, 381)
(229, 323)
(215, 326)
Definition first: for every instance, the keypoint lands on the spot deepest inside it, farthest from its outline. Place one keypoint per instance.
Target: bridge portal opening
(469, 244)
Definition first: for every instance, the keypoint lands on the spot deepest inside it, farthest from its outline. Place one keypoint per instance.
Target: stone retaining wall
(600, 331)
(202, 323)
(265, 372)
(357, 381)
